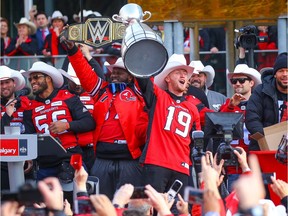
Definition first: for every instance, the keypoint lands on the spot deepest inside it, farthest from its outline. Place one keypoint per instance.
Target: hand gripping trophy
(142, 49)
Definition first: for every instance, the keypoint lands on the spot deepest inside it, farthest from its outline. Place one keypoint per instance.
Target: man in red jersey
(12, 109)
(166, 156)
(118, 105)
(58, 113)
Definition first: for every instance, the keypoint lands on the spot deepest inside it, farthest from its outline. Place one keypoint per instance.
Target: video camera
(226, 152)
(247, 37)
(227, 126)
(197, 151)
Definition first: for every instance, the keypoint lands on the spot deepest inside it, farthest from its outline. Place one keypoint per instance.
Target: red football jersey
(169, 134)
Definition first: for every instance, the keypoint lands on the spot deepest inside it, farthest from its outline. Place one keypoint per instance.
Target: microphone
(23, 92)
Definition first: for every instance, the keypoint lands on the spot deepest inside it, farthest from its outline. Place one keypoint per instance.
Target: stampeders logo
(127, 96)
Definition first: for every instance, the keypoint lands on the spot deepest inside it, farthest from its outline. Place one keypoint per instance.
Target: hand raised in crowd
(10, 109)
(210, 202)
(80, 179)
(58, 127)
(85, 49)
(102, 205)
(9, 208)
(157, 201)
(242, 159)
(52, 193)
(123, 194)
(250, 188)
(236, 99)
(181, 205)
(279, 187)
(68, 44)
(57, 31)
(67, 208)
(210, 177)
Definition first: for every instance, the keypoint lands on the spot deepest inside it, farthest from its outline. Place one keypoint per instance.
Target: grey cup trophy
(142, 50)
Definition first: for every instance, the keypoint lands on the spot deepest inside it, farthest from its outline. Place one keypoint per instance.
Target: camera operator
(243, 80)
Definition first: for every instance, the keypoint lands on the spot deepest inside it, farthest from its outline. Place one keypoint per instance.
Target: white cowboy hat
(208, 70)
(57, 15)
(31, 25)
(176, 61)
(8, 73)
(85, 14)
(47, 69)
(245, 70)
(72, 75)
(118, 64)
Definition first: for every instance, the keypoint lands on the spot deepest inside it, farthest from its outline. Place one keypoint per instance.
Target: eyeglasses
(240, 80)
(35, 77)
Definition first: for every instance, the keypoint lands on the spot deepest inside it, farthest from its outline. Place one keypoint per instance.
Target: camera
(197, 151)
(27, 194)
(139, 193)
(83, 207)
(193, 195)
(226, 152)
(247, 38)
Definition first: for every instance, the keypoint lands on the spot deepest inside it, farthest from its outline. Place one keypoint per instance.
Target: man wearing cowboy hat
(52, 45)
(268, 103)
(12, 108)
(23, 44)
(243, 80)
(202, 78)
(119, 104)
(166, 156)
(55, 112)
(85, 140)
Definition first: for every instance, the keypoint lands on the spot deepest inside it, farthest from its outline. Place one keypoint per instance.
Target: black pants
(161, 178)
(114, 173)
(88, 156)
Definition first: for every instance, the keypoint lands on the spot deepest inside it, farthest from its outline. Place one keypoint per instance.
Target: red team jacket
(168, 137)
(17, 117)
(127, 103)
(55, 108)
(86, 137)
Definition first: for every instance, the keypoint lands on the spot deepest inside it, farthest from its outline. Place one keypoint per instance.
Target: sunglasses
(35, 77)
(240, 80)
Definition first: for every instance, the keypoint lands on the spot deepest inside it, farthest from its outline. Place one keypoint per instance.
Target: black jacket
(262, 107)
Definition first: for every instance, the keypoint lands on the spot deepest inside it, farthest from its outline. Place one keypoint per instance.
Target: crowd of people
(137, 132)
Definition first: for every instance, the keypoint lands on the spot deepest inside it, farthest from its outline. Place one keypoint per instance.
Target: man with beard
(243, 80)
(202, 78)
(11, 110)
(58, 113)
(268, 103)
(118, 106)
